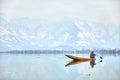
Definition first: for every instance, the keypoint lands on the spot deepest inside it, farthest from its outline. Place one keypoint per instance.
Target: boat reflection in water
(74, 62)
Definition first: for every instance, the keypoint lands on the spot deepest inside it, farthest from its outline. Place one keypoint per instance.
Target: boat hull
(79, 58)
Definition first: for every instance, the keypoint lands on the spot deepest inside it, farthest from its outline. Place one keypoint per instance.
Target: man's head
(92, 51)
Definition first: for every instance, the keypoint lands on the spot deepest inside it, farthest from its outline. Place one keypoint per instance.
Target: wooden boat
(79, 58)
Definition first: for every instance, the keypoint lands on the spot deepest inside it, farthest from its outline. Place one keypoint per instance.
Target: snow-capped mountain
(26, 33)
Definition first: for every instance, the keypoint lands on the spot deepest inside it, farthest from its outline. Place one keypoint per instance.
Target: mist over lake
(59, 40)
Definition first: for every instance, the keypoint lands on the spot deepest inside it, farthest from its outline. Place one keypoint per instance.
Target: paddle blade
(101, 57)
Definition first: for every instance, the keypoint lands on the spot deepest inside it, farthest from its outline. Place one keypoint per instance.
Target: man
(92, 63)
(92, 55)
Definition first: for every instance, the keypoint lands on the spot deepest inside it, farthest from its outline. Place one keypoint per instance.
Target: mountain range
(26, 33)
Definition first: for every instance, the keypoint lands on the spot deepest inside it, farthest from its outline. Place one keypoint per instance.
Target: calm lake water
(56, 67)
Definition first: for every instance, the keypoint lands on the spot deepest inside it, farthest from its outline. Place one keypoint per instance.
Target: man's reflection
(92, 63)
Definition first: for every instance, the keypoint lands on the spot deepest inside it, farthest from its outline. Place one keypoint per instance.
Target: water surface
(53, 67)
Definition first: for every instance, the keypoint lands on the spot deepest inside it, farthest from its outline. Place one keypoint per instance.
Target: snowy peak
(26, 33)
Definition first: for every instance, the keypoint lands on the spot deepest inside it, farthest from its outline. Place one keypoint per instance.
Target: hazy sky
(106, 11)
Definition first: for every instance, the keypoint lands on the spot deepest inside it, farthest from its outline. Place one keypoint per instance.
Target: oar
(99, 56)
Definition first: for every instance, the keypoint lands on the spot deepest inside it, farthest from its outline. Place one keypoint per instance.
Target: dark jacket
(92, 55)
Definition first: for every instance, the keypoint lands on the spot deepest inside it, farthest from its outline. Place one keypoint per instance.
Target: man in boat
(92, 63)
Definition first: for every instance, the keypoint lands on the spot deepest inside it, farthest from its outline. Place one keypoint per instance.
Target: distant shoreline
(61, 51)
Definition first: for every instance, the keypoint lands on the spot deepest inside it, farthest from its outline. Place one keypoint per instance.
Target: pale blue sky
(105, 11)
